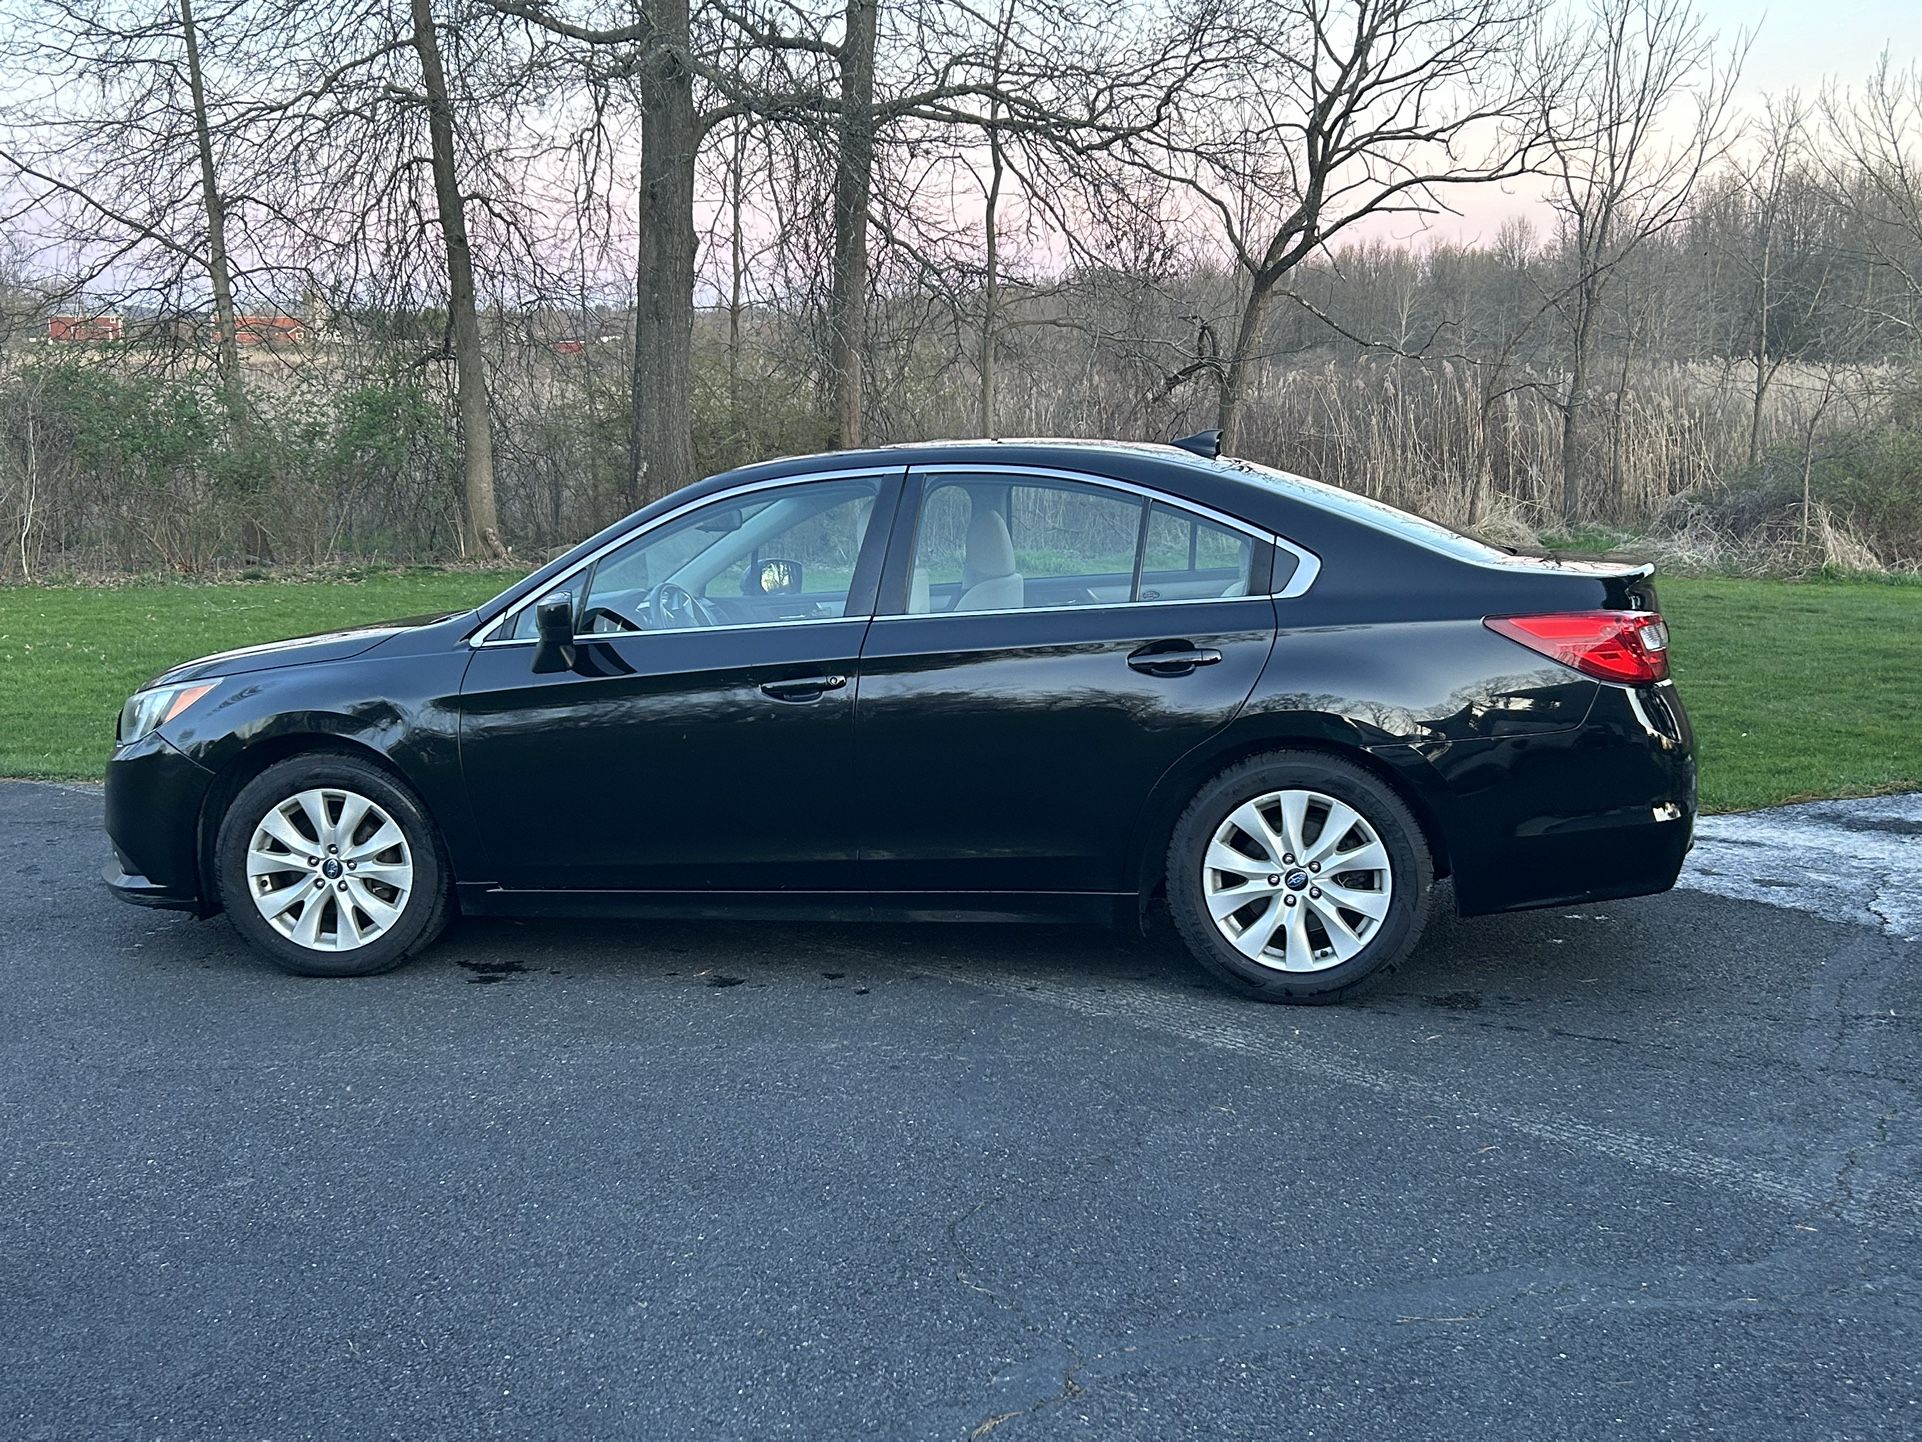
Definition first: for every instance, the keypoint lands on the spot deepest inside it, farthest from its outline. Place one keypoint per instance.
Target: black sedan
(979, 679)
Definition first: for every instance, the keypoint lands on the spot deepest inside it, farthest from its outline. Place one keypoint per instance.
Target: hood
(296, 651)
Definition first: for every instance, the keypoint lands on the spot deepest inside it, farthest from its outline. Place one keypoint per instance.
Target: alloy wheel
(1297, 880)
(329, 869)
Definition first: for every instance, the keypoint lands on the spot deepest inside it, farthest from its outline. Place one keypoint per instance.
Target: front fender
(401, 708)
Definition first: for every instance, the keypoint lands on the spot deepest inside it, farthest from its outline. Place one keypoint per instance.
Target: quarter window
(1189, 557)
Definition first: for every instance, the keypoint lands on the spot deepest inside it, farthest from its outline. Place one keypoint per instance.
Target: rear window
(1419, 529)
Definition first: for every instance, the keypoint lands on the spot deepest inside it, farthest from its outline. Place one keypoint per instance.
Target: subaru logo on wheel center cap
(331, 870)
(1296, 879)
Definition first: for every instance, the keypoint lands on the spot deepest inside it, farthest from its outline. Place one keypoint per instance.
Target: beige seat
(989, 580)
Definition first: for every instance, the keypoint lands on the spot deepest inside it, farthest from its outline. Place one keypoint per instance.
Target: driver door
(703, 739)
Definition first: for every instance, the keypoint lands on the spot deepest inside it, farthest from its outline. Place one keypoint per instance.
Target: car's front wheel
(1295, 876)
(330, 867)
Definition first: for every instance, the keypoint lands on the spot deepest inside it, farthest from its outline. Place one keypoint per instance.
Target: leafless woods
(302, 279)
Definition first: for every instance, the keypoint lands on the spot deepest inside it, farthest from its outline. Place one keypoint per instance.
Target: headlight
(146, 710)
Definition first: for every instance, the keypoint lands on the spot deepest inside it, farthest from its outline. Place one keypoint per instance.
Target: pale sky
(1796, 45)
(1799, 42)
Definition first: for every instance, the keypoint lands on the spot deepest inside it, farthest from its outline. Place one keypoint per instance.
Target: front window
(781, 555)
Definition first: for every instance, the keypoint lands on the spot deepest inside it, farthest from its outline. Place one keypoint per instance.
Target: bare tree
(480, 533)
(1873, 148)
(853, 184)
(1622, 167)
(1324, 115)
(123, 163)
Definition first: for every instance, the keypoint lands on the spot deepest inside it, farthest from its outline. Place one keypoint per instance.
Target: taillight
(1626, 646)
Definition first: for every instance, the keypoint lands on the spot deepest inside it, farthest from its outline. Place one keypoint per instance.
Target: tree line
(562, 256)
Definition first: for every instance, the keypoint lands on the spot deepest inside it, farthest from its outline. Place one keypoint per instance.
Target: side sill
(1102, 908)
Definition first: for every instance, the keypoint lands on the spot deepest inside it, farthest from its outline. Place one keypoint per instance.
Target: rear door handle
(803, 688)
(1177, 661)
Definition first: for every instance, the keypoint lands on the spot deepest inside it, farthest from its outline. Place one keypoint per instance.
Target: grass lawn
(69, 655)
(1796, 690)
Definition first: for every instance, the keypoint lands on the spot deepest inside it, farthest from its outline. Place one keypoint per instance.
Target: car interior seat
(989, 581)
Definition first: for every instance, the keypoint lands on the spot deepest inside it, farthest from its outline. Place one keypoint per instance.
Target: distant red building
(269, 330)
(79, 329)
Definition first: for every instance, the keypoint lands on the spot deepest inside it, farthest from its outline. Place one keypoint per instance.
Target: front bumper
(132, 887)
(154, 798)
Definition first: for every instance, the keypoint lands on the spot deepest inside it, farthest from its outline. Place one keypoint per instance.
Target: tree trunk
(1761, 347)
(1234, 383)
(255, 540)
(853, 186)
(226, 346)
(1572, 456)
(661, 441)
(480, 523)
(991, 278)
(1618, 414)
(737, 276)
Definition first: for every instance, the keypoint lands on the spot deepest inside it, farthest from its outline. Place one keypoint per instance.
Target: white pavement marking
(1851, 861)
(1247, 1029)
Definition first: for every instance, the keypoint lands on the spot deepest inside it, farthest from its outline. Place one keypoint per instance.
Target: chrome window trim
(1307, 563)
(596, 637)
(1262, 596)
(485, 636)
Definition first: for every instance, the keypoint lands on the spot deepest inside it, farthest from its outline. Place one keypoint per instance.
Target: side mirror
(773, 577)
(554, 633)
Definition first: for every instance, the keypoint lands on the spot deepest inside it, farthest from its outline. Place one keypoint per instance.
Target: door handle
(1176, 661)
(802, 688)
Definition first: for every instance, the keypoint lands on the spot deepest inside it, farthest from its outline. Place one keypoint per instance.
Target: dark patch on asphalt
(834, 975)
(1456, 1000)
(486, 973)
(720, 980)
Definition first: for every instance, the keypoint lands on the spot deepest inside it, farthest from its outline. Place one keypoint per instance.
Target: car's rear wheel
(1296, 876)
(330, 867)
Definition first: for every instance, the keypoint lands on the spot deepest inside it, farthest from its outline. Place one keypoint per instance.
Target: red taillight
(1626, 646)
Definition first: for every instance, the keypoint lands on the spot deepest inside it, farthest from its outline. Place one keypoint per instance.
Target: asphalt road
(1644, 1170)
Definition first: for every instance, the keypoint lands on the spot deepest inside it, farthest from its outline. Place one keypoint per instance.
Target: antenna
(1206, 444)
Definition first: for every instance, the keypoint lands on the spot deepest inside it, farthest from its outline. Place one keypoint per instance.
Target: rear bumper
(1602, 810)
(154, 796)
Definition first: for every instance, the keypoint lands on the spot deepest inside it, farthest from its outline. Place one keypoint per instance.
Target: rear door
(1046, 647)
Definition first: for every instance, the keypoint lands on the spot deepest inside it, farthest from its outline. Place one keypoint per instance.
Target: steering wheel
(671, 604)
(623, 622)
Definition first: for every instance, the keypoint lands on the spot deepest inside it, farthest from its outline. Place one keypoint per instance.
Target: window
(993, 544)
(999, 543)
(772, 556)
(1188, 557)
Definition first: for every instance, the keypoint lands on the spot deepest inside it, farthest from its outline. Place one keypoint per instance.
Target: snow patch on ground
(1851, 861)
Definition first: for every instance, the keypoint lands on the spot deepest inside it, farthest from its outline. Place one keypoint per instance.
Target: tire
(1297, 938)
(270, 841)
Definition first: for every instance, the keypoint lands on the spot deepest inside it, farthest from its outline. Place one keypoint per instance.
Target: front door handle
(803, 688)
(1173, 661)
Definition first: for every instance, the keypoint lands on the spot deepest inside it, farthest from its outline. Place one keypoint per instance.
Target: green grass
(1796, 690)
(69, 655)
